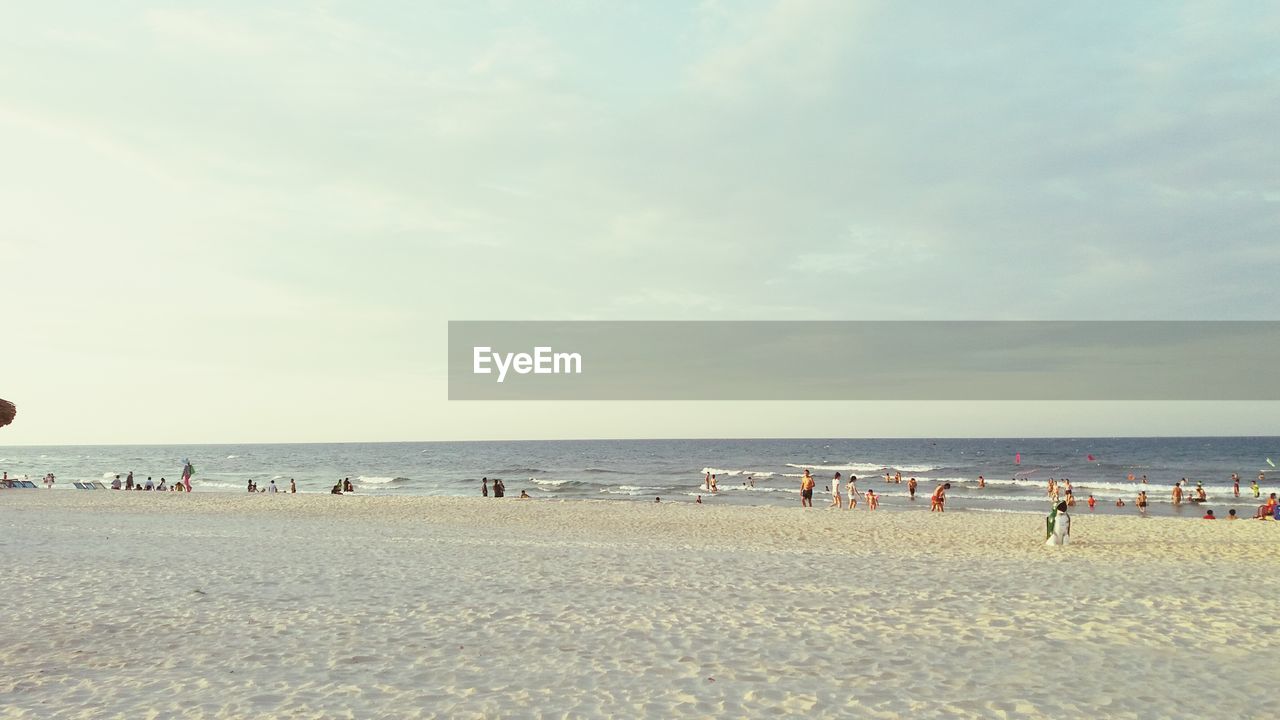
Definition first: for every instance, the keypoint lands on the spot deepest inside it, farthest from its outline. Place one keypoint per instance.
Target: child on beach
(939, 498)
(853, 491)
(1092, 502)
(1208, 515)
(835, 492)
(1057, 526)
(1256, 490)
(873, 500)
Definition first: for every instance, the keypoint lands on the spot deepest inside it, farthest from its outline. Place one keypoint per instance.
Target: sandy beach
(227, 606)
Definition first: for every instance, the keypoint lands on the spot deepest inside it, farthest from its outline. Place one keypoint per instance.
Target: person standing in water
(1092, 502)
(499, 488)
(1142, 501)
(1057, 526)
(939, 498)
(982, 482)
(1177, 494)
(911, 488)
(806, 489)
(1235, 484)
(293, 487)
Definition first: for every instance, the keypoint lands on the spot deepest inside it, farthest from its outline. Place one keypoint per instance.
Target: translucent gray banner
(864, 360)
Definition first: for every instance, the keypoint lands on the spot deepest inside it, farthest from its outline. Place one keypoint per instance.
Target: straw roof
(7, 411)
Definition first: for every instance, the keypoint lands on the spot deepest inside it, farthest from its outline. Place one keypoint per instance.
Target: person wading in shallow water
(939, 498)
(499, 489)
(806, 490)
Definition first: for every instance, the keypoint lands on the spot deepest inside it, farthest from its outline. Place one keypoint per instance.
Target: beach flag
(1090, 457)
(1017, 458)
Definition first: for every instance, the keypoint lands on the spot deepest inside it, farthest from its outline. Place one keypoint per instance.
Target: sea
(748, 471)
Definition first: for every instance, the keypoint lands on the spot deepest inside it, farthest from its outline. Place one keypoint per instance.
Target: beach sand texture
(226, 606)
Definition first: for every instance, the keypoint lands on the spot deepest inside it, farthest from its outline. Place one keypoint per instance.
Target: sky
(251, 222)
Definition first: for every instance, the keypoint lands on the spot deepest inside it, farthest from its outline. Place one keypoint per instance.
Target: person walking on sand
(853, 491)
(293, 488)
(806, 489)
(836, 500)
(911, 488)
(1057, 526)
(939, 498)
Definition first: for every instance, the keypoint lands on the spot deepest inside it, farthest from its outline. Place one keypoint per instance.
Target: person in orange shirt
(806, 490)
(1092, 502)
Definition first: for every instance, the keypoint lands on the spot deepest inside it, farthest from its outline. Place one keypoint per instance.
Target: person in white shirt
(150, 485)
(161, 487)
(273, 487)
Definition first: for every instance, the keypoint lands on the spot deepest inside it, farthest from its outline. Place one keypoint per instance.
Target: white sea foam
(731, 473)
(374, 480)
(864, 467)
(232, 457)
(552, 483)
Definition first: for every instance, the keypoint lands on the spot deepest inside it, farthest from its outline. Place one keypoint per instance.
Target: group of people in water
(849, 499)
(183, 485)
(499, 489)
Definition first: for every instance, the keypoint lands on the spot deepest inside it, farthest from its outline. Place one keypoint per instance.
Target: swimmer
(911, 488)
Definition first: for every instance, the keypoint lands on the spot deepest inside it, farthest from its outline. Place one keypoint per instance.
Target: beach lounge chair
(25, 484)
(98, 486)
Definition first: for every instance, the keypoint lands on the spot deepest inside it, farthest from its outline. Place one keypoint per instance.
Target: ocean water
(640, 470)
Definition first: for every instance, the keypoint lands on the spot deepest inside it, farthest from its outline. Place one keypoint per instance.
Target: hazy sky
(251, 222)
